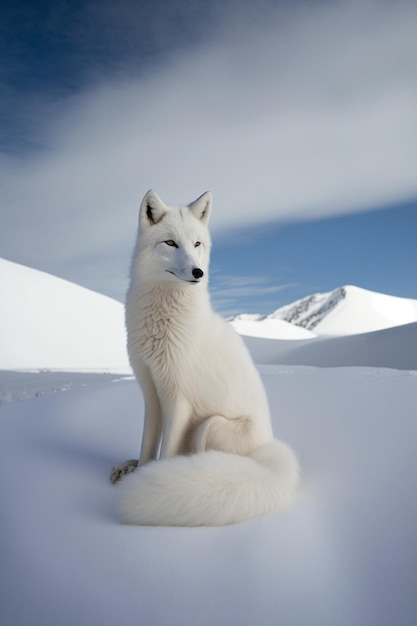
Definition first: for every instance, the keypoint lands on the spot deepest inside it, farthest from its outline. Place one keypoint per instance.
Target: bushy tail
(210, 489)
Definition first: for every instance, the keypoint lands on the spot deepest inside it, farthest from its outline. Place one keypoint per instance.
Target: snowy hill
(48, 322)
(348, 310)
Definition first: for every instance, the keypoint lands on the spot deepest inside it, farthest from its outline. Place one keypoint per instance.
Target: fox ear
(152, 209)
(201, 207)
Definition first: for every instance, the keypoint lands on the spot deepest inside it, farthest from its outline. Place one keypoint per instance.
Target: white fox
(206, 412)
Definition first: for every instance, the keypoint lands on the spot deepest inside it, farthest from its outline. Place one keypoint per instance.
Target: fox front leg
(151, 429)
(176, 420)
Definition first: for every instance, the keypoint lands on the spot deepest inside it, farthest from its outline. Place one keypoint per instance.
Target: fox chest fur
(159, 326)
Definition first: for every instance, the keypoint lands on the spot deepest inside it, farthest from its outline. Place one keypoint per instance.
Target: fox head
(174, 242)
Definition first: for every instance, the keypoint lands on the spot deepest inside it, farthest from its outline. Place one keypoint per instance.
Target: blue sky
(375, 250)
(298, 116)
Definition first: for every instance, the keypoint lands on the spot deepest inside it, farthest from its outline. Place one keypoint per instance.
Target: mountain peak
(310, 311)
(346, 310)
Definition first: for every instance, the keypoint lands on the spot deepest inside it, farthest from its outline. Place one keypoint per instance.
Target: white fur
(206, 412)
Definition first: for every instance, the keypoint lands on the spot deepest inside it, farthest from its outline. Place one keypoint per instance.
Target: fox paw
(122, 469)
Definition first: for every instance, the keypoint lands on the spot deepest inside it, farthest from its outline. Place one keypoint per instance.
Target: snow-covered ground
(25, 385)
(344, 553)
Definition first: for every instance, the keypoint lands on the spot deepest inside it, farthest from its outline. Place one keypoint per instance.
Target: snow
(22, 385)
(343, 553)
(48, 322)
(363, 311)
(393, 347)
(270, 328)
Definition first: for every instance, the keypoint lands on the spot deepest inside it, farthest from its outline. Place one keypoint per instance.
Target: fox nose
(197, 272)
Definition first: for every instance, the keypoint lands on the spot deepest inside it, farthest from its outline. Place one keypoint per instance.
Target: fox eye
(171, 243)
(197, 243)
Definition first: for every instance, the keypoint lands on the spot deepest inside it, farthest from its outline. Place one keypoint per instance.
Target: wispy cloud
(291, 114)
(230, 293)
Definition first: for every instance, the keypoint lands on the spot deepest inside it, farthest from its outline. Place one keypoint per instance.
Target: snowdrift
(394, 347)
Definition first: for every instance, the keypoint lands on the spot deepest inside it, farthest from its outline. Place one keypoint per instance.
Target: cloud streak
(292, 115)
(230, 292)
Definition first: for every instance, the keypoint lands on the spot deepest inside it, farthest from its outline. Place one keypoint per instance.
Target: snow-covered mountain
(346, 310)
(47, 322)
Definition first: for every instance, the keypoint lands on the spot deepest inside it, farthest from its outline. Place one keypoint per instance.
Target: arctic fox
(206, 411)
